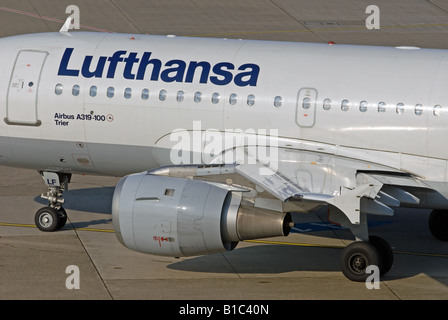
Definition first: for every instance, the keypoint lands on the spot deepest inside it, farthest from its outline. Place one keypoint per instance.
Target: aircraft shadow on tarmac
(410, 226)
(91, 200)
(95, 200)
(280, 259)
(415, 252)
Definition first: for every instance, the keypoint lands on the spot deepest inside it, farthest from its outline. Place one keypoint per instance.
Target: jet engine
(176, 217)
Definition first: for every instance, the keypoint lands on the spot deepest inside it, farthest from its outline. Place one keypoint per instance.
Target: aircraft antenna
(66, 27)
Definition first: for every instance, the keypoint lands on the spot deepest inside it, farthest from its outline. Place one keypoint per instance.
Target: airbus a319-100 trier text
(219, 141)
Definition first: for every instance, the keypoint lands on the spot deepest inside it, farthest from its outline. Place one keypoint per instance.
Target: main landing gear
(364, 252)
(53, 217)
(357, 256)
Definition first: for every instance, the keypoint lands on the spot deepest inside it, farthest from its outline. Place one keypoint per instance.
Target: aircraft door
(306, 107)
(21, 103)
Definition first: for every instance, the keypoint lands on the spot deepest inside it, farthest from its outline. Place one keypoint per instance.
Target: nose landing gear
(53, 217)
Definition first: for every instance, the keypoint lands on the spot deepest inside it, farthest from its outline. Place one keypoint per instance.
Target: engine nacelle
(183, 217)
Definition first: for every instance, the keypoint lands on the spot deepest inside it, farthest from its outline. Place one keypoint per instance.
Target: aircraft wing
(304, 181)
(197, 209)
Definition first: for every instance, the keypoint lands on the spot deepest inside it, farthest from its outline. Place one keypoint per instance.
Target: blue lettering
(63, 67)
(175, 74)
(130, 61)
(98, 73)
(113, 61)
(227, 75)
(192, 68)
(156, 65)
(252, 75)
(134, 67)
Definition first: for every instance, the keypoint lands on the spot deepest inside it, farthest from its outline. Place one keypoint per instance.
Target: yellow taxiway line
(319, 30)
(66, 227)
(6, 224)
(439, 255)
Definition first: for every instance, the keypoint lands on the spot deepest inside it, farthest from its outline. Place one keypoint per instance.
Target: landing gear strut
(365, 251)
(53, 217)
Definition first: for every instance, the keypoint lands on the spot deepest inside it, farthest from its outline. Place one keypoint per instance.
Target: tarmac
(35, 265)
(302, 266)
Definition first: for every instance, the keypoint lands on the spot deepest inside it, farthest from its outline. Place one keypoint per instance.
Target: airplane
(218, 141)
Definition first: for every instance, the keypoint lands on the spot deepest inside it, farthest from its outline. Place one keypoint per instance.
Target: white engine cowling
(182, 217)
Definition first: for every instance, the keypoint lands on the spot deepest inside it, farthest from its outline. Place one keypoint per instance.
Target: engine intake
(182, 217)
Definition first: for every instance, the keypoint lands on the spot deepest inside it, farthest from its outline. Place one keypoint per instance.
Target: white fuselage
(386, 106)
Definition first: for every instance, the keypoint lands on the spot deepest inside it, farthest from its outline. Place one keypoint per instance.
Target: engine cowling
(183, 217)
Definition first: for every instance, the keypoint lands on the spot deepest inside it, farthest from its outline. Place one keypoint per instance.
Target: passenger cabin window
(363, 106)
(327, 104)
(381, 107)
(278, 101)
(418, 109)
(345, 105)
(251, 100)
(145, 94)
(437, 111)
(162, 95)
(180, 96)
(58, 89)
(127, 93)
(233, 98)
(93, 91)
(215, 98)
(306, 103)
(76, 90)
(110, 92)
(400, 108)
(197, 96)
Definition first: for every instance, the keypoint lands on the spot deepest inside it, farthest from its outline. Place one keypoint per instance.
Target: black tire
(62, 218)
(47, 219)
(385, 251)
(438, 224)
(356, 257)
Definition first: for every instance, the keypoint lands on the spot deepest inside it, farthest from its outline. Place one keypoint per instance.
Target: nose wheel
(53, 217)
(50, 219)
